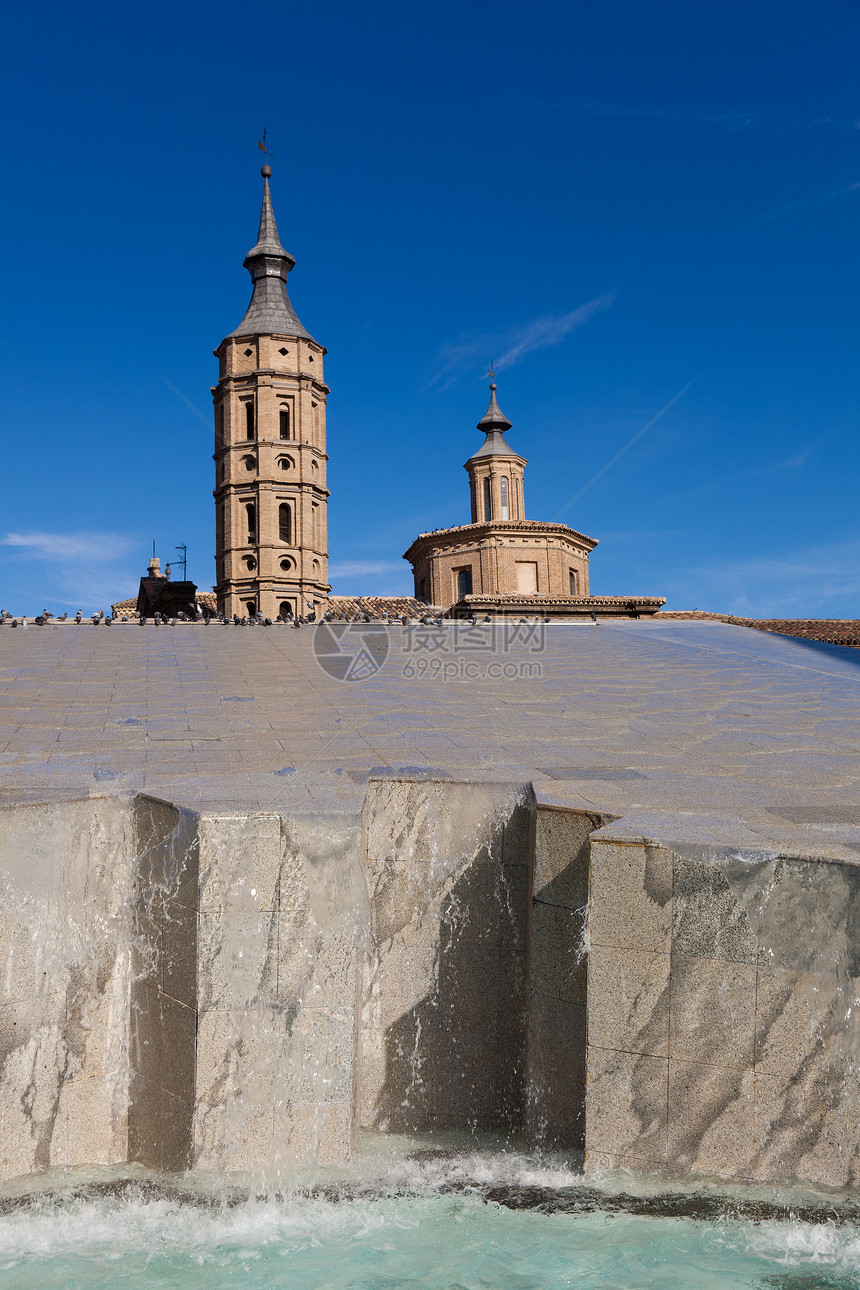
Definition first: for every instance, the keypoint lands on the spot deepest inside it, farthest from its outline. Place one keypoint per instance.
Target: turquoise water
(438, 1218)
(430, 1241)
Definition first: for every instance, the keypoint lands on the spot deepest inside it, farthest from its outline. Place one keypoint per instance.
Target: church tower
(496, 471)
(270, 458)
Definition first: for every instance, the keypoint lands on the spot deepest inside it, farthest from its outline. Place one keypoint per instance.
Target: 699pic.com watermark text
(436, 667)
(451, 651)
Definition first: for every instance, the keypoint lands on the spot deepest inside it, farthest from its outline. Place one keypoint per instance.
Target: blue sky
(612, 200)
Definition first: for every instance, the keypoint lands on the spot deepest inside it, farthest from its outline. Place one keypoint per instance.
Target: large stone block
(555, 1096)
(802, 1129)
(237, 959)
(561, 856)
(712, 914)
(809, 919)
(627, 1105)
(558, 953)
(710, 1120)
(630, 902)
(713, 1012)
(628, 1000)
(240, 863)
(800, 1022)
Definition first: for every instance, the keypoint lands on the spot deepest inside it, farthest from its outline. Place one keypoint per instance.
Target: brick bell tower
(270, 458)
(495, 470)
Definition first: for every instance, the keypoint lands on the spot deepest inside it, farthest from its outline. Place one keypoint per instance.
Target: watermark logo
(351, 651)
(449, 651)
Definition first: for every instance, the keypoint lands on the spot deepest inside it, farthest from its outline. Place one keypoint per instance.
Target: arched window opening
(421, 589)
(285, 524)
(503, 493)
(316, 566)
(220, 424)
(488, 501)
(284, 418)
(251, 606)
(285, 463)
(251, 517)
(464, 583)
(573, 586)
(285, 609)
(249, 462)
(249, 419)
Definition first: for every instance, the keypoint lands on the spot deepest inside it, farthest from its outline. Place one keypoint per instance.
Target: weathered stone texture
(557, 978)
(444, 1008)
(751, 1000)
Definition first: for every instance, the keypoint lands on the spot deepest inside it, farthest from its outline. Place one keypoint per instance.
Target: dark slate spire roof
(268, 263)
(494, 423)
(494, 418)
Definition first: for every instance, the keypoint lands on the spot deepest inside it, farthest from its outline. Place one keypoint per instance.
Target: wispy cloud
(95, 548)
(735, 119)
(818, 581)
(469, 352)
(65, 570)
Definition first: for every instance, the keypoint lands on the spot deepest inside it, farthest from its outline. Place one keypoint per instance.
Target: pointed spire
(494, 418)
(268, 241)
(269, 264)
(494, 423)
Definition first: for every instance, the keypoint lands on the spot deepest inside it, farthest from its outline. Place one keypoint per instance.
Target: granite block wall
(722, 1013)
(557, 969)
(66, 884)
(163, 985)
(282, 928)
(443, 1026)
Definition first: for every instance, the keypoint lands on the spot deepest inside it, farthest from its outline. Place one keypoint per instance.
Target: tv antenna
(183, 559)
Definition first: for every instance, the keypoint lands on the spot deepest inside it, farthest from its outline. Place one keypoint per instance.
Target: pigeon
(108, 621)
(96, 620)
(62, 618)
(78, 617)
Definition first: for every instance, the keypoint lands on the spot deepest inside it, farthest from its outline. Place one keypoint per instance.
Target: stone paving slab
(688, 730)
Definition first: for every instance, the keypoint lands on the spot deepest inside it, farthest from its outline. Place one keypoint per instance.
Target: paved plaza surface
(694, 731)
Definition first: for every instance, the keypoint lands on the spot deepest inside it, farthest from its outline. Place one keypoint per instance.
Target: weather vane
(491, 373)
(261, 144)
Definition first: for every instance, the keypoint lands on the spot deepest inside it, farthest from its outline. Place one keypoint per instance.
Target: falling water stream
(427, 1209)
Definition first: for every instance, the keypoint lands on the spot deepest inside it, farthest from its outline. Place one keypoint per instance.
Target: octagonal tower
(270, 447)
